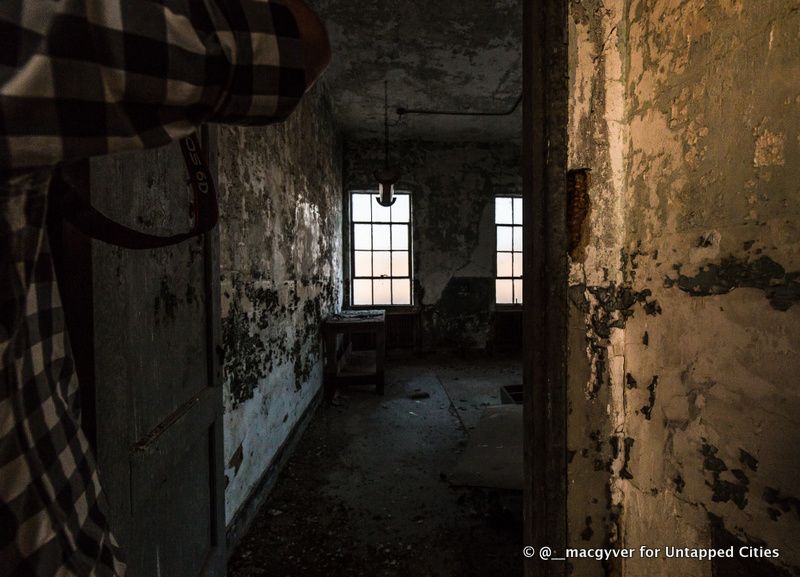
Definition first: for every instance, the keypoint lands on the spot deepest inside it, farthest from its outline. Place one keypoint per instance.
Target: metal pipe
(404, 111)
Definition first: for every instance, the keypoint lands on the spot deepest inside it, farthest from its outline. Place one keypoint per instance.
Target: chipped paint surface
(713, 203)
(446, 55)
(688, 113)
(280, 261)
(601, 301)
(453, 188)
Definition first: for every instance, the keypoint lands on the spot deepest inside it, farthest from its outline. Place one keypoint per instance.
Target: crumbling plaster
(281, 273)
(684, 331)
(444, 55)
(453, 186)
(599, 299)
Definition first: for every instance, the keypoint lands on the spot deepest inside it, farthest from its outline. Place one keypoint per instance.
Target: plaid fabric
(80, 78)
(51, 507)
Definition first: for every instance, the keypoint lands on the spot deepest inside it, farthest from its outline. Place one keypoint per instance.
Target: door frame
(545, 268)
(217, 561)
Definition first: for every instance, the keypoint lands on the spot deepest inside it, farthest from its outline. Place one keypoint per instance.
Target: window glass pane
(361, 211)
(504, 238)
(363, 263)
(518, 238)
(401, 210)
(517, 264)
(381, 250)
(504, 291)
(362, 237)
(380, 237)
(380, 213)
(401, 291)
(504, 266)
(381, 263)
(517, 211)
(502, 210)
(362, 292)
(383, 292)
(400, 263)
(400, 237)
(518, 291)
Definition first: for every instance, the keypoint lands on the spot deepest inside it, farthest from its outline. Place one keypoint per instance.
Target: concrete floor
(366, 492)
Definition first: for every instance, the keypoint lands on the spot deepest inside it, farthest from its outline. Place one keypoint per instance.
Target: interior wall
(600, 299)
(685, 331)
(712, 232)
(281, 274)
(453, 186)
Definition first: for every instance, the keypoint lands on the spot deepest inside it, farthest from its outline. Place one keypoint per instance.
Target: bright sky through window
(381, 250)
(508, 222)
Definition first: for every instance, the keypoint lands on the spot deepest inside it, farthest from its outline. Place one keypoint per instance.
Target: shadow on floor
(366, 492)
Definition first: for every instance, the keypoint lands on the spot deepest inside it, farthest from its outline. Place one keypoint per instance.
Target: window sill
(508, 307)
(388, 308)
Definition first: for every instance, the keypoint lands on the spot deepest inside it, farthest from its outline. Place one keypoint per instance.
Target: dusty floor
(366, 490)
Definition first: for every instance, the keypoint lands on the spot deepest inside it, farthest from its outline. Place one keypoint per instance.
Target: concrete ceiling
(441, 54)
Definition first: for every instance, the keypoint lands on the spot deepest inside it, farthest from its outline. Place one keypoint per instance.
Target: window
(508, 222)
(381, 250)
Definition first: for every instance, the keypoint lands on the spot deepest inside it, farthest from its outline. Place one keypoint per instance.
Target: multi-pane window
(508, 222)
(381, 250)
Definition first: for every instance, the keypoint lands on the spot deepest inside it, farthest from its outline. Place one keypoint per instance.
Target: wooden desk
(336, 365)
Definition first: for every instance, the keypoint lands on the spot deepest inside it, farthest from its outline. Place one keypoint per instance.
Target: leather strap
(93, 223)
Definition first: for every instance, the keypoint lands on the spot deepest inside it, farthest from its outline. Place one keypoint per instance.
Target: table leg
(380, 357)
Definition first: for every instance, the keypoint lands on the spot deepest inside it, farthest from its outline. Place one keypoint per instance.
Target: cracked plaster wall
(280, 260)
(684, 332)
(453, 186)
(449, 55)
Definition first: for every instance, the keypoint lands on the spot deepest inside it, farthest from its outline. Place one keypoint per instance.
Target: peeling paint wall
(453, 188)
(280, 260)
(600, 300)
(712, 227)
(686, 327)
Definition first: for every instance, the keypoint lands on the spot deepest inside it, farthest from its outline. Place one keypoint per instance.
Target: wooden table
(337, 370)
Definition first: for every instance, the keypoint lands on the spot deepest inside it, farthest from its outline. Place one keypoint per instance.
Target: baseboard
(246, 514)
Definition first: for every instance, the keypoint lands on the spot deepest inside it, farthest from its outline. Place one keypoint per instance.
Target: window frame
(410, 249)
(512, 252)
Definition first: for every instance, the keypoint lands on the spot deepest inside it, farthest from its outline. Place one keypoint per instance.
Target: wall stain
(722, 538)
(236, 459)
(462, 313)
(647, 410)
(166, 300)
(625, 450)
(782, 289)
(253, 342)
(724, 491)
(609, 308)
(748, 460)
(587, 532)
(780, 504)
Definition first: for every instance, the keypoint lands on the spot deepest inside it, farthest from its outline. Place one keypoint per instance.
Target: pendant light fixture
(387, 176)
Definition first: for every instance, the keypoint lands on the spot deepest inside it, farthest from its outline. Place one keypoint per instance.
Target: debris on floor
(366, 493)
